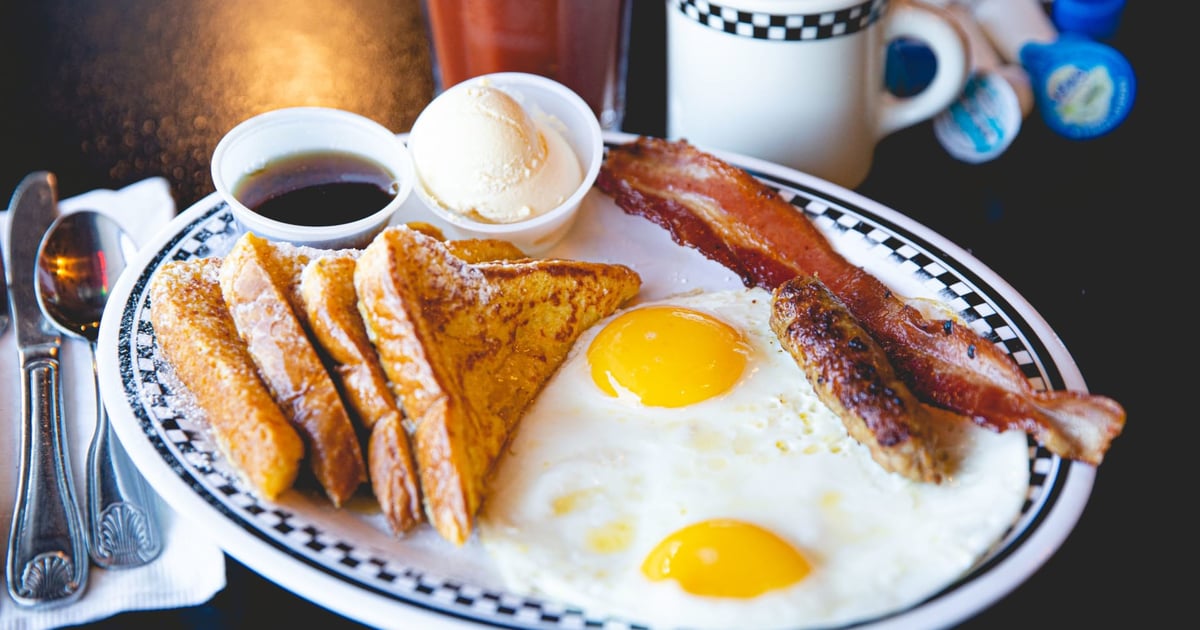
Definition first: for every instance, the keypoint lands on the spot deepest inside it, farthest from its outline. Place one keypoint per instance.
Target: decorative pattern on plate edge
(152, 388)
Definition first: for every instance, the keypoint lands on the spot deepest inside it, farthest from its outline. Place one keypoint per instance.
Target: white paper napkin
(191, 568)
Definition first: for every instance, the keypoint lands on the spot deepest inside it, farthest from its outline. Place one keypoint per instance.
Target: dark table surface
(108, 92)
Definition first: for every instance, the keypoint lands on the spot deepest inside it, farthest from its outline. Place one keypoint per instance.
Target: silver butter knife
(47, 551)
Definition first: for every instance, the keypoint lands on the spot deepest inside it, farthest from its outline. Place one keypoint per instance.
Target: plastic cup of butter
(556, 109)
(313, 176)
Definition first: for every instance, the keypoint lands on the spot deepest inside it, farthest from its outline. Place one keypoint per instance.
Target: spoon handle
(122, 522)
(47, 552)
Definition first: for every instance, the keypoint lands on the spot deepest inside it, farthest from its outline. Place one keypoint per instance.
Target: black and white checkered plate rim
(188, 451)
(782, 26)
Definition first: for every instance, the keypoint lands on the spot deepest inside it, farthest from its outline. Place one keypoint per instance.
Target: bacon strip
(736, 220)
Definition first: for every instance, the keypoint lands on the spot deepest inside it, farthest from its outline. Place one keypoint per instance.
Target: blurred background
(108, 92)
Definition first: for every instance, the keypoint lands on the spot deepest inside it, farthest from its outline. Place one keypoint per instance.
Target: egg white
(591, 483)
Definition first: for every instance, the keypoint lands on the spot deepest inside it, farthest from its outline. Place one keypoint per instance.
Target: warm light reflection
(159, 101)
(68, 268)
(101, 268)
(318, 52)
(78, 271)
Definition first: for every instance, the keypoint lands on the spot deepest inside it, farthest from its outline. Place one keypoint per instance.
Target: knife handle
(47, 551)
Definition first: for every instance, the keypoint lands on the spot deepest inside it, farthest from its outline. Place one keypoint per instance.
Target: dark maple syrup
(318, 188)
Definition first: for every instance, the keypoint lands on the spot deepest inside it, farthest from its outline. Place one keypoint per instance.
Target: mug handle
(936, 29)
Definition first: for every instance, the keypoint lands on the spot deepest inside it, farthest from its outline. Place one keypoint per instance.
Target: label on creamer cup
(982, 123)
(1084, 89)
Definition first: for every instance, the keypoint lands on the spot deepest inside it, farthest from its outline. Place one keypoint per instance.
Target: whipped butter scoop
(480, 154)
(509, 155)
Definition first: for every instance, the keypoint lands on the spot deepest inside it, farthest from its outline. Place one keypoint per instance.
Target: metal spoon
(3, 295)
(79, 260)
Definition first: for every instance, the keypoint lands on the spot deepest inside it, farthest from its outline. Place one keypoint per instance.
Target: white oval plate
(347, 561)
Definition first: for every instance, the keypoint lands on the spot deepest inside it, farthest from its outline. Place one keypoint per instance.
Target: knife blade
(47, 552)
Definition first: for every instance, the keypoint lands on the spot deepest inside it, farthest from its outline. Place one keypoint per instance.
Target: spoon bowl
(79, 260)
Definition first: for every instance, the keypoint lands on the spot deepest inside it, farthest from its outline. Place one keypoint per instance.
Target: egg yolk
(726, 558)
(668, 356)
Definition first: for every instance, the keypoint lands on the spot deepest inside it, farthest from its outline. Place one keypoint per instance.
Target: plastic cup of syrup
(313, 176)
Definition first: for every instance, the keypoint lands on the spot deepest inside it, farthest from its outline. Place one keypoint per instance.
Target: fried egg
(679, 470)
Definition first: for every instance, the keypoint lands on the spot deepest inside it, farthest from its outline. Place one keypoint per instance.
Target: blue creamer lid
(1083, 88)
(1095, 18)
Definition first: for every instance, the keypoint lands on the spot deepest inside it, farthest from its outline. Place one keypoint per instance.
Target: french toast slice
(475, 250)
(197, 336)
(467, 347)
(472, 249)
(330, 306)
(257, 288)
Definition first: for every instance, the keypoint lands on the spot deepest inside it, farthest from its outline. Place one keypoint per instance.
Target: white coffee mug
(801, 82)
